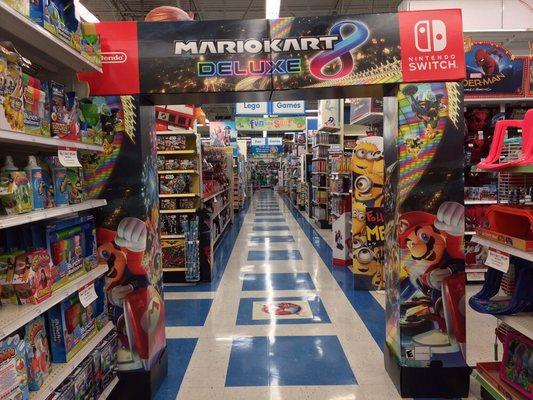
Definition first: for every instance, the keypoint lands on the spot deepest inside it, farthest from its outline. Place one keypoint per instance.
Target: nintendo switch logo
(431, 43)
(114, 57)
(430, 35)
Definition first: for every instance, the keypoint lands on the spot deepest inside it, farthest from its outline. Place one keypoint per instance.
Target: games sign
(492, 71)
(184, 57)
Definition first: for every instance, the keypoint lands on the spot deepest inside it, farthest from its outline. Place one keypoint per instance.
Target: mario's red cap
(409, 221)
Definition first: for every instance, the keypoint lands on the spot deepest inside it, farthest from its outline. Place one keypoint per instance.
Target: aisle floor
(325, 344)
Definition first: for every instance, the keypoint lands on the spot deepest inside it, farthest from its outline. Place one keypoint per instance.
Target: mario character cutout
(434, 244)
(136, 306)
(367, 167)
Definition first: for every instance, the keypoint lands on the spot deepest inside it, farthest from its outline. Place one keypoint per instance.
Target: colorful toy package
(90, 43)
(59, 113)
(105, 362)
(69, 325)
(34, 107)
(83, 380)
(76, 194)
(15, 193)
(32, 280)
(13, 373)
(74, 132)
(11, 92)
(22, 6)
(44, 13)
(38, 353)
(7, 270)
(49, 199)
(72, 246)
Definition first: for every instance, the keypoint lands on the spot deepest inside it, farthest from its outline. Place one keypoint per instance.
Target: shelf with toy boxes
(45, 110)
(48, 33)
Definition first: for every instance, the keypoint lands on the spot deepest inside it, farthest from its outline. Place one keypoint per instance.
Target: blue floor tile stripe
(222, 255)
(364, 304)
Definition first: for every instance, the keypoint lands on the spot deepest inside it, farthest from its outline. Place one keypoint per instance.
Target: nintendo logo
(114, 57)
(430, 35)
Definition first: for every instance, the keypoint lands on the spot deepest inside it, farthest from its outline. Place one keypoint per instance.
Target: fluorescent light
(83, 13)
(264, 133)
(272, 8)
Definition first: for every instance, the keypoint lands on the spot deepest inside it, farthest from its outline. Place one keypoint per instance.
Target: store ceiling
(113, 10)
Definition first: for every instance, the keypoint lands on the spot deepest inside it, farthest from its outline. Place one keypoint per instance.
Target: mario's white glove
(451, 218)
(437, 276)
(119, 293)
(131, 234)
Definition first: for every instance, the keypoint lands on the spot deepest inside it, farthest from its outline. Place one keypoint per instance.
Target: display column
(129, 244)
(424, 227)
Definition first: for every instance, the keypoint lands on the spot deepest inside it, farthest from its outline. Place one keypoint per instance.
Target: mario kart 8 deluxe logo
(336, 48)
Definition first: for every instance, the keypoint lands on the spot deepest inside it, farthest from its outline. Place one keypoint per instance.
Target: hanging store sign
(275, 141)
(171, 58)
(270, 124)
(273, 107)
(263, 150)
(255, 108)
(259, 141)
(492, 71)
(287, 107)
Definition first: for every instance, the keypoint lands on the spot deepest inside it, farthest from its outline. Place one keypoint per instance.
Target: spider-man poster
(492, 71)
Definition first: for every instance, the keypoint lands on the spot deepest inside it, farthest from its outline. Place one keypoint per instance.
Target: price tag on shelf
(87, 295)
(68, 157)
(498, 260)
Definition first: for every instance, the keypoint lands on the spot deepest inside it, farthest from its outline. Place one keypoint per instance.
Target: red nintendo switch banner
(432, 45)
(120, 60)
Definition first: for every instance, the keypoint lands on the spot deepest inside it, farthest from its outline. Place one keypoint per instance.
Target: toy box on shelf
(180, 182)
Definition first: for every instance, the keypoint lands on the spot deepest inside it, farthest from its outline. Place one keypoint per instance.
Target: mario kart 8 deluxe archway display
(321, 57)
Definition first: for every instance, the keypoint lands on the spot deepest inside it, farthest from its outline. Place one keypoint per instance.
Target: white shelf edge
(498, 246)
(22, 314)
(523, 322)
(107, 391)
(60, 372)
(470, 232)
(45, 141)
(7, 221)
(215, 195)
(481, 202)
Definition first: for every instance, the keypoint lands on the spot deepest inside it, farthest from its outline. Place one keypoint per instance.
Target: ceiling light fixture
(84, 14)
(272, 8)
(265, 134)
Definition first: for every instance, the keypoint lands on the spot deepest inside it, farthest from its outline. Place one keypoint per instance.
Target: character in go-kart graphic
(135, 305)
(434, 244)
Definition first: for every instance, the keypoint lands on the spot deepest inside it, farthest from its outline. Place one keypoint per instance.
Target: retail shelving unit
(52, 59)
(218, 178)
(177, 168)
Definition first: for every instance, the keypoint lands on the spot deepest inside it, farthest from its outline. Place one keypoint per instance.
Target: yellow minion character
(358, 218)
(368, 165)
(366, 262)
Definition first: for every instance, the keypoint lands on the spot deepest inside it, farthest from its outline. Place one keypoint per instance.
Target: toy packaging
(13, 373)
(174, 183)
(48, 183)
(515, 367)
(59, 113)
(83, 380)
(105, 362)
(90, 43)
(22, 6)
(173, 253)
(72, 246)
(76, 194)
(169, 204)
(60, 182)
(32, 280)
(7, 270)
(15, 193)
(11, 92)
(64, 392)
(38, 353)
(74, 132)
(44, 13)
(171, 142)
(34, 107)
(69, 325)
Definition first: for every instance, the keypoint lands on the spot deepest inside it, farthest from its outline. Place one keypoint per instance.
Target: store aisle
(325, 342)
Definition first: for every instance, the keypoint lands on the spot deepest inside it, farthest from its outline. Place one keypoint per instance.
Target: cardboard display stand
(314, 57)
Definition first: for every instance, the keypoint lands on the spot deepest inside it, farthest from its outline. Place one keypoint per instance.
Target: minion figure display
(367, 215)
(424, 227)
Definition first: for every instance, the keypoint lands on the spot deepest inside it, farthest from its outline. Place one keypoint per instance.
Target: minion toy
(367, 170)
